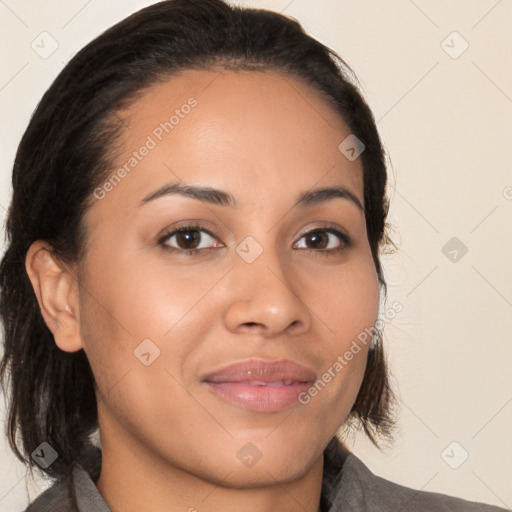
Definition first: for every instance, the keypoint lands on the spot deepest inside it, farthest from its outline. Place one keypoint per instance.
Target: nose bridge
(263, 263)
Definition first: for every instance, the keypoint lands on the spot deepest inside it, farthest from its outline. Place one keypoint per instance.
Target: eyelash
(345, 240)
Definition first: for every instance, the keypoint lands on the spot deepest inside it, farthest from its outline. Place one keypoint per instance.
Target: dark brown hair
(66, 151)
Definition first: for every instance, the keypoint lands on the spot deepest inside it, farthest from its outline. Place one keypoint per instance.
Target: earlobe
(56, 290)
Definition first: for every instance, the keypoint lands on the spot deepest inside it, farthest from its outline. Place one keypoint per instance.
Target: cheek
(130, 308)
(115, 323)
(349, 311)
(351, 302)
(142, 295)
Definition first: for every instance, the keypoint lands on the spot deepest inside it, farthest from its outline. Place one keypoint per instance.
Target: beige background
(446, 123)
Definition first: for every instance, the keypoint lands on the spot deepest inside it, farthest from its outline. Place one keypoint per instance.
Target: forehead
(259, 130)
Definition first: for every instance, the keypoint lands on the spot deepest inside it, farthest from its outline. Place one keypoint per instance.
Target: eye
(189, 240)
(328, 240)
(192, 240)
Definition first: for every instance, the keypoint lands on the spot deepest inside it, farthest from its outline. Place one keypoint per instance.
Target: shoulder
(53, 499)
(352, 486)
(360, 489)
(57, 498)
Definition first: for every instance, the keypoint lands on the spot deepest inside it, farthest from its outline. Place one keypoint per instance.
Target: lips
(262, 372)
(263, 386)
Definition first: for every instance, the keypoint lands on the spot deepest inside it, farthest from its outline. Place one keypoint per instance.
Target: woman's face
(160, 325)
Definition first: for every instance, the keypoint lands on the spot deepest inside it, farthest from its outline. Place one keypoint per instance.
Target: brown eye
(188, 239)
(318, 239)
(326, 240)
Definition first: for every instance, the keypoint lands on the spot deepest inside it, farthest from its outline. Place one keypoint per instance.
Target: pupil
(318, 236)
(187, 237)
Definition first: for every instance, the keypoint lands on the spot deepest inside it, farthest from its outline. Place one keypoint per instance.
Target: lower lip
(259, 398)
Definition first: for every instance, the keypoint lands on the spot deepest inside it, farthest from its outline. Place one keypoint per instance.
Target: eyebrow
(218, 197)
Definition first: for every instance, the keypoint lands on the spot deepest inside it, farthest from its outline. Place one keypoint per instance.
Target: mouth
(262, 386)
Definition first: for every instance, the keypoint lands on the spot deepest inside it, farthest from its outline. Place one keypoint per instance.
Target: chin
(263, 476)
(278, 466)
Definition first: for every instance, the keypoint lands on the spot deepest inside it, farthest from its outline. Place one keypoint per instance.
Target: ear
(56, 290)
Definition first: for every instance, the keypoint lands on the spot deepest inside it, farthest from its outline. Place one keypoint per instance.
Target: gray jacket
(348, 485)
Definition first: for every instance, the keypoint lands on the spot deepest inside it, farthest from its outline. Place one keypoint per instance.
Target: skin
(168, 442)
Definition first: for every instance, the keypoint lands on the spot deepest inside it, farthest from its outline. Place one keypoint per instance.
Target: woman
(193, 269)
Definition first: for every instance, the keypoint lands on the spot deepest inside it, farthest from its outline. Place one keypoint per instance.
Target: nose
(265, 298)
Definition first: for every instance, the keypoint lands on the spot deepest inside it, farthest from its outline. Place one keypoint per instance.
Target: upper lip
(262, 371)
